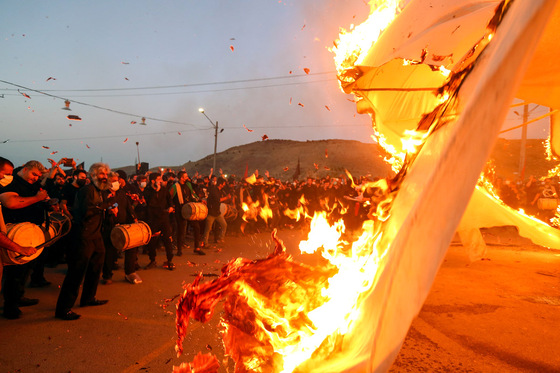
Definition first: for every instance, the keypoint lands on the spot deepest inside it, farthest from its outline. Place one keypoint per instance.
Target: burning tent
(403, 74)
(440, 77)
(487, 47)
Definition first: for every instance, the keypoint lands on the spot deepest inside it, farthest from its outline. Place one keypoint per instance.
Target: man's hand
(27, 250)
(171, 210)
(41, 195)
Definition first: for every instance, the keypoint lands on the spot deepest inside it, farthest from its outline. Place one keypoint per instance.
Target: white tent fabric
(541, 83)
(443, 32)
(482, 211)
(438, 185)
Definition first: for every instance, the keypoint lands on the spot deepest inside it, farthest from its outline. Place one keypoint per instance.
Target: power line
(97, 106)
(189, 85)
(173, 132)
(200, 91)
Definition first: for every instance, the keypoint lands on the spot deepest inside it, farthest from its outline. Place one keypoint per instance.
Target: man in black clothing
(6, 177)
(159, 206)
(182, 192)
(22, 201)
(126, 215)
(69, 191)
(215, 198)
(87, 256)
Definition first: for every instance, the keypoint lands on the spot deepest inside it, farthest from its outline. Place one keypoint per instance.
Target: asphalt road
(499, 314)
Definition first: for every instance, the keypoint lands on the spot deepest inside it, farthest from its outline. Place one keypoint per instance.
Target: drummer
(6, 177)
(125, 214)
(182, 192)
(121, 212)
(22, 201)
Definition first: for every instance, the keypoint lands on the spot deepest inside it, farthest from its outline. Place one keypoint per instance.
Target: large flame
(352, 46)
(284, 316)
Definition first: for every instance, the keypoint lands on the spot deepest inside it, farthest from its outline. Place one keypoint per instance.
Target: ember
(244, 284)
(201, 364)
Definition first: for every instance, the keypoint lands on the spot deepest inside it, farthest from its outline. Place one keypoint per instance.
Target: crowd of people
(536, 197)
(176, 207)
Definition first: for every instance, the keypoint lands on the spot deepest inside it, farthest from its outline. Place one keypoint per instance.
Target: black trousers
(130, 260)
(181, 231)
(197, 227)
(14, 278)
(38, 266)
(85, 263)
(160, 225)
(111, 255)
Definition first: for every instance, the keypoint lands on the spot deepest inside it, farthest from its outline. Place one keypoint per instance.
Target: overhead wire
(97, 106)
(200, 91)
(45, 93)
(291, 76)
(173, 132)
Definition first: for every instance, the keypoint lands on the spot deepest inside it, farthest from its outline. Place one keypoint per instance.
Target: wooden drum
(59, 226)
(229, 212)
(194, 211)
(24, 234)
(129, 236)
(547, 203)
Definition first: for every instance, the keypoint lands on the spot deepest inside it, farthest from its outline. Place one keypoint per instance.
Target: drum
(194, 211)
(59, 226)
(24, 234)
(229, 212)
(128, 236)
(547, 203)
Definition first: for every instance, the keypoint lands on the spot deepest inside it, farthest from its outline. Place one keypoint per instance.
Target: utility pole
(523, 151)
(215, 125)
(215, 144)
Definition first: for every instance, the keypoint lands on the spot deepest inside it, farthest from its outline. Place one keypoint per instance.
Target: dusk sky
(244, 62)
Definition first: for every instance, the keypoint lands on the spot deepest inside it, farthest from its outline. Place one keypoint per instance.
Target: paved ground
(499, 314)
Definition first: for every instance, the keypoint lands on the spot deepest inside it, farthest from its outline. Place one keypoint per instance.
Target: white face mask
(143, 184)
(115, 186)
(6, 180)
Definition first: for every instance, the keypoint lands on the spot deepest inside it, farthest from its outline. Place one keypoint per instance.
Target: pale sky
(243, 61)
(96, 49)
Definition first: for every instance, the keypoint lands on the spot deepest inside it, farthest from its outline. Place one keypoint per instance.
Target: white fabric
(437, 187)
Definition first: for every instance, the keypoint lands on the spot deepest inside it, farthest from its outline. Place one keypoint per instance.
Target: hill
(280, 158)
(332, 157)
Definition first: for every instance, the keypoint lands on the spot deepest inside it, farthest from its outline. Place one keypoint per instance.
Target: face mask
(7, 179)
(115, 186)
(143, 184)
(81, 182)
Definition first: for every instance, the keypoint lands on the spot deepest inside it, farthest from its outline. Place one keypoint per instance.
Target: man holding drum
(159, 206)
(182, 192)
(6, 177)
(215, 198)
(22, 201)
